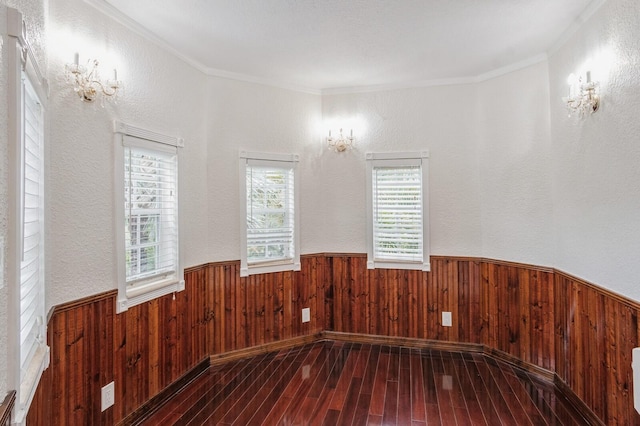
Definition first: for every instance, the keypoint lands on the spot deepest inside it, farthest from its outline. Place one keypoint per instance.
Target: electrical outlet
(306, 372)
(306, 314)
(446, 319)
(447, 382)
(108, 395)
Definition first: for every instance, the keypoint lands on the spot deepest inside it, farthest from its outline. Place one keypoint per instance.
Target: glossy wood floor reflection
(335, 383)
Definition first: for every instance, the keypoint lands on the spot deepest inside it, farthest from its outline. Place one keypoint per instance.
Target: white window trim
(374, 159)
(280, 265)
(132, 296)
(21, 59)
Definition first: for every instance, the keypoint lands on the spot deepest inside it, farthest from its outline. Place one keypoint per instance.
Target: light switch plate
(446, 319)
(306, 314)
(108, 395)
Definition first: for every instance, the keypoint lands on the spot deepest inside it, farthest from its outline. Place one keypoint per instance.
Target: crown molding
(575, 26)
(107, 9)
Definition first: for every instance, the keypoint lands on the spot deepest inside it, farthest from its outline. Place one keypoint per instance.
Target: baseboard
(266, 348)
(564, 391)
(148, 408)
(539, 372)
(403, 341)
(6, 408)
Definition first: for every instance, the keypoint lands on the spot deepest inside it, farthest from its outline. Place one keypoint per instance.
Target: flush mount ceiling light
(583, 98)
(86, 81)
(341, 143)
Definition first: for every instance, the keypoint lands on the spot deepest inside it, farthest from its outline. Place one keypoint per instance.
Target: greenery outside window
(268, 187)
(148, 225)
(397, 212)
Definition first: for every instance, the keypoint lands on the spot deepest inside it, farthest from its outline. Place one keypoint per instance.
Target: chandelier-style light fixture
(583, 98)
(86, 81)
(341, 143)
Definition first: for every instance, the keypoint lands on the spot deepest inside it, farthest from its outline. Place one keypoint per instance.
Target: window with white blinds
(151, 231)
(270, 225)
(397, 212)
(148, 219)
(32, 222)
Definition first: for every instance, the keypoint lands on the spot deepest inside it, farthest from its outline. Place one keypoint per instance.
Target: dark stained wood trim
(147, 409)
(196, 268)
(606, 292)
(6, 408)
(538, 372)
(262, 349)
(403, 342)
(327, 254)
(518, 265)
(565, 392)
(81, 302)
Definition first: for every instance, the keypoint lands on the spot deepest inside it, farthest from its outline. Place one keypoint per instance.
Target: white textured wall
(439, 119)
(510, 178)
(162, 94)
(596, 161)
(34, 15)
(251, 117)
(512, 132)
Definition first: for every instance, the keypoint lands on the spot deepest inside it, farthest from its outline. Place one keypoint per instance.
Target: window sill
(268, 267)
(144, 293)
(390, 264)
(29, 384)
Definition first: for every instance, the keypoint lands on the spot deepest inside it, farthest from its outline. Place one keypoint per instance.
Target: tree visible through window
(270, 223)
(150, 213)
(397, 213)
(149, 263)
(269, 214)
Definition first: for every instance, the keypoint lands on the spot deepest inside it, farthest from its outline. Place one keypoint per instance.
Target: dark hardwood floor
(335, 383)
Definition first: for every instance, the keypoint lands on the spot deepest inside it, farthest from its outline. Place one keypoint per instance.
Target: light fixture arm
(341, 143)
(86, 81)
(583, 98)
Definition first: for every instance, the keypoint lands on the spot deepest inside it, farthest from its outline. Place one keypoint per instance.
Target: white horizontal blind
(32, 262)
(151, 214)
(270, 213)
(397, 213)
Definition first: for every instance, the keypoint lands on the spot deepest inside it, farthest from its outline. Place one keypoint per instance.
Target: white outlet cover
(108, 395)
(447, 382)
(446, 319)
(306, 314)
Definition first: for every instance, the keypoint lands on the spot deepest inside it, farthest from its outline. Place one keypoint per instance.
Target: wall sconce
(583, 97)
(341, 143)
(86, 81)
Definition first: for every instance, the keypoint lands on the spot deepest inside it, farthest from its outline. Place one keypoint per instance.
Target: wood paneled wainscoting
(542, 319)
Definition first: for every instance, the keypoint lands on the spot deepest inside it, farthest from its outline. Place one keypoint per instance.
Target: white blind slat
(151, 234)
(270, 212)
(397, 212)
(31, 265)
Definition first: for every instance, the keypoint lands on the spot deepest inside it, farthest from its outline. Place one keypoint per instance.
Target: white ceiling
(339, 44)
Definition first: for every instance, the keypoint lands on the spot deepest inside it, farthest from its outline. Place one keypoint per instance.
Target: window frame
(399, 159)
(144, 289)
(280, 161)
(24, 79)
